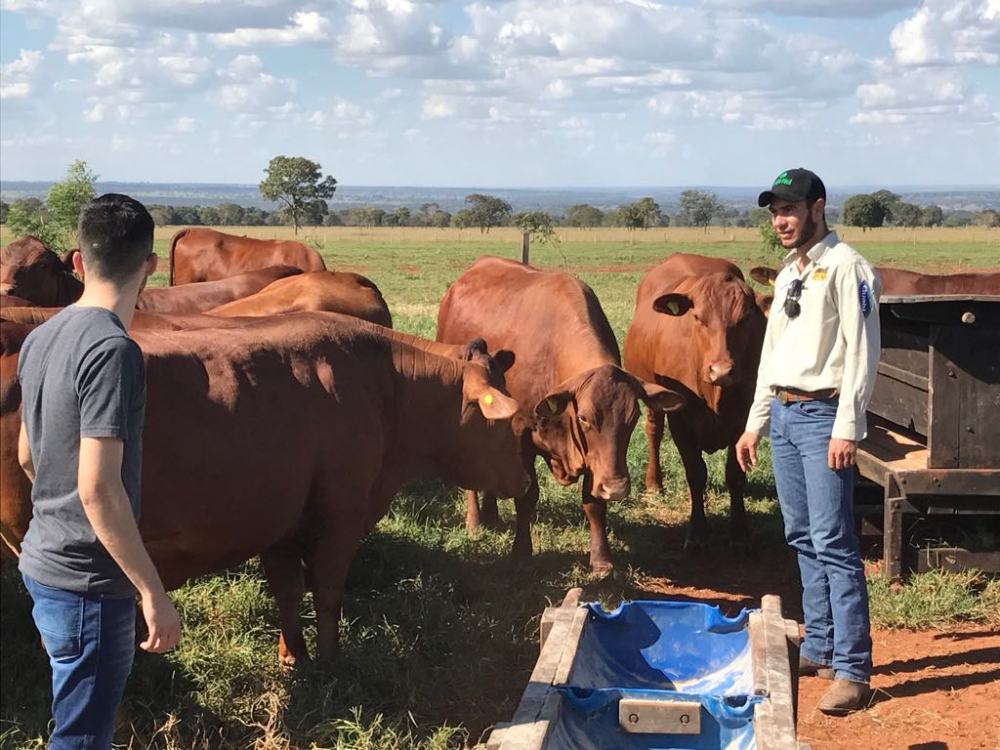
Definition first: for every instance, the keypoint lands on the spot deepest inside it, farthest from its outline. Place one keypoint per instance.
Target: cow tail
(173, 243)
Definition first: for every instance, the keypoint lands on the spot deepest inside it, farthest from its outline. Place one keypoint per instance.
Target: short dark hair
(116, 236)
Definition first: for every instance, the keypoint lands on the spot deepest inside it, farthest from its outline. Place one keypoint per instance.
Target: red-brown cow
(332, 291)
(32, 272)
(201, 296)
(198, 254)
(580, 404)
(896, 281)
(697, 329)
(288, 438)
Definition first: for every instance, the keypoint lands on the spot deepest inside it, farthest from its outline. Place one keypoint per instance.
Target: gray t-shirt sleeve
(108, 382)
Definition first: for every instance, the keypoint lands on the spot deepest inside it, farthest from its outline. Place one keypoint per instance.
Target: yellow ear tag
(488, 399)
(770, 282)
(674, 308)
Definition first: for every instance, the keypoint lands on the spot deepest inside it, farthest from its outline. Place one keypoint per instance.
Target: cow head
(726, 324)
(586, 422)
(489, 445)
(29, 270)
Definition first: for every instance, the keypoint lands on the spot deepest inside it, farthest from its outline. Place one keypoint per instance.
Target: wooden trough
(933, 442)
(691, 715)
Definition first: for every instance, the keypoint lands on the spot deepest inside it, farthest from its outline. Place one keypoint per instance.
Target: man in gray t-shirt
(83, 403)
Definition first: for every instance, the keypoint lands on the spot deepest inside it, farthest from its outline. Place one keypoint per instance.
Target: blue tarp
(665, 651)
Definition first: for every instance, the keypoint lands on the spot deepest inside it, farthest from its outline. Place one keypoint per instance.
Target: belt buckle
(783, 396)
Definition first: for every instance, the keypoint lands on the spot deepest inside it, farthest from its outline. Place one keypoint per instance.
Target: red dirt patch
(933, 691)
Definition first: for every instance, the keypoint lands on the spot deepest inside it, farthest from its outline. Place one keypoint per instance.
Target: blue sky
(504, 93)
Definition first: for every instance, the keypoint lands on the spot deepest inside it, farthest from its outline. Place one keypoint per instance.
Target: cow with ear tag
(30, 271)
(698, 329)
(578, 407)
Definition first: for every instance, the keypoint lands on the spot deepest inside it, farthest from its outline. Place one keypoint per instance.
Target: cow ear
(553, 404)
(504, 359)
(672, 304)
(763, 275)
(474, 347)
(657, 397)
(764, 303)
(495, 405)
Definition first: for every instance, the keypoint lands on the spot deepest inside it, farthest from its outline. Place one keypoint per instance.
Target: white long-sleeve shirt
(834, 342)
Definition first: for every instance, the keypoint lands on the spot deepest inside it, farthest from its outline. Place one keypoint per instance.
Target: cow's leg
(328, 566)
(697, 479)
(489, 514)
(654, 438)
(736, 481)
(283, 571)
(525, 514)
(596, 512)
(473, 519)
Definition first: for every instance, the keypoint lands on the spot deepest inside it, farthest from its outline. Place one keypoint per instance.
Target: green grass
(440, 630)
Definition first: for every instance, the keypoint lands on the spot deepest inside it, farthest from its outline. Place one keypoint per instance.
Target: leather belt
(792, 395)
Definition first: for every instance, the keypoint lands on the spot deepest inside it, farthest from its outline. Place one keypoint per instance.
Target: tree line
(301, 191)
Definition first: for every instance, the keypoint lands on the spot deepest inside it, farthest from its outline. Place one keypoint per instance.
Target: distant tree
(402, 216)
(441, 219)
(584, 215)
(698, 207)
(230, 214)
(368, 216)
(988, 218)
(931, 216)
(276, 218)
(758, 216)
(905, 214)
(959, 219)
(488, 211)
(313, 213)
(298, 183)
(209, 216)
(28, 216)
(865, 211)
(649, 211)
(254, 217)
(4, 209)
(332, 219)
(537, 224)
(630, 216)
(65, 199)
(162, 215)
(464, 218)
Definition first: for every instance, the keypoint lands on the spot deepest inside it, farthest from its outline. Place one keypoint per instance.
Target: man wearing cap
(817, 372)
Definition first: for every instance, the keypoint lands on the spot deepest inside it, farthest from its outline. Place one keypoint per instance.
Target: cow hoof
(602, 569)
(287, 661)
(654, 488)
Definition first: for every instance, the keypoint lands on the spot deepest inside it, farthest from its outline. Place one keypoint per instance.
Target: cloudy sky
(504, 92)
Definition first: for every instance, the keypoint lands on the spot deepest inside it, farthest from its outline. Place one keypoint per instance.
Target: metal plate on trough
(659, 717)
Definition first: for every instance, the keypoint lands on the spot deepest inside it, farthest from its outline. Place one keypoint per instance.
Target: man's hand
(746, 450)
(162, 622)
(842, 453)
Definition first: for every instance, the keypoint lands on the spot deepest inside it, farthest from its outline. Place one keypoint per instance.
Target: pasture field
(440, 630)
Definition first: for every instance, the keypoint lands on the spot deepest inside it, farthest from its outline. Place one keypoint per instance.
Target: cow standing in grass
(201, 254)
(579, 407)
(697, 329)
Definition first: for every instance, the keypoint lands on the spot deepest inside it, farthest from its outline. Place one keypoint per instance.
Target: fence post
(525, 246)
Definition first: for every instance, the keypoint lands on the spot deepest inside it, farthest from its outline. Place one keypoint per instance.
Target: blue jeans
(90, 640)
(817, 507)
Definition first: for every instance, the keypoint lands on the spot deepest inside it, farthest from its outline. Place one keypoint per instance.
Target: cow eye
(583, 420)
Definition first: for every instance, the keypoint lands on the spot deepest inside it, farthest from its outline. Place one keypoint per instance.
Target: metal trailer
(933, 442)
(659, 674)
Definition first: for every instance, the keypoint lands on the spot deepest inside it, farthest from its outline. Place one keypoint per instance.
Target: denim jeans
(817, 507)
(90, 640)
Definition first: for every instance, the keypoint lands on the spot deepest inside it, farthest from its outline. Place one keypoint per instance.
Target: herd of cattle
(284, 413)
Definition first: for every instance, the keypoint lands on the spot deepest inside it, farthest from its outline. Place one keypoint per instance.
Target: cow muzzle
(615, 488)
(719, 373)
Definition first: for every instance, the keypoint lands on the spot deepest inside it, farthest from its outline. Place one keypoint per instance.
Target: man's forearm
(110, 513)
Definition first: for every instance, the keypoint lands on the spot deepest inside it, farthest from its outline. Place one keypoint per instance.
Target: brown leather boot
(845, 696)
(810, 668)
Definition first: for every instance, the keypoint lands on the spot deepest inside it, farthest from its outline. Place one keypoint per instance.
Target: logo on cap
(782, 179)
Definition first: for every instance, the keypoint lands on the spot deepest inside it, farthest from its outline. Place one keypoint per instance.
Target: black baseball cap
(794, 185)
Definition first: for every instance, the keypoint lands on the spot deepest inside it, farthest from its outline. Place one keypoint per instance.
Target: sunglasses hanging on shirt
(792, 306)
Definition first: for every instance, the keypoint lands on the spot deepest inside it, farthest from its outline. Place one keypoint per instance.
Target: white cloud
(949, 32)
(97, 113)
(185, 125)
(18, 90)
(25, 65)
(307, 27)
(437, 108)
(661, 142)
(248, 88)
(391, 35)
(909, 95)
(819, 8)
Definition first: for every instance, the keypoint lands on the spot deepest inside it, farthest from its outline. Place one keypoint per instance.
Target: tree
(441, 219)
(905, 214)
(758, 216)
(298, 183)
(28, 216)
(4, 209)
(698, 207)
(630, 216)
(368, 216)
(584, 215)
(988, 218)
(402, 216)
(230, 214)
(65, 200)
(464, 218)
(209, 216)
(488, 211)
(537, 224)
(649, 211)
(333, 219)
(864, 211)
(931, 216)
(959, 219)
(162, 215)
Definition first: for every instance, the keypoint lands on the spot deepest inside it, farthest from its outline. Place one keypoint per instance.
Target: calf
(697, 329)
(578, 406)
